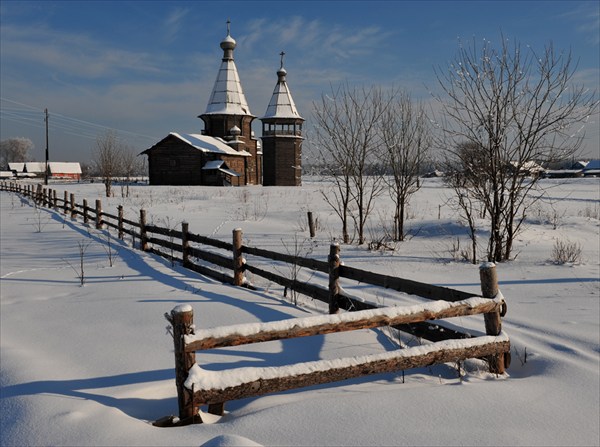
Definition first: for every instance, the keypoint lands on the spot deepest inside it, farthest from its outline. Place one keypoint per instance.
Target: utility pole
(47, 168)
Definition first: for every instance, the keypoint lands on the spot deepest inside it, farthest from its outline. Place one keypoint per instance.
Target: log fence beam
(309, 326)
(401, 360)
(493, 322)
(73, 210)
(238, 260)
(334, 278)
(99, 221)
(143, 232)
(185, 244)
(120, 221)
(182, 323)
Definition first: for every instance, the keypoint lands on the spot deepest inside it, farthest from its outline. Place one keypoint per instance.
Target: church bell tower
(282, 137)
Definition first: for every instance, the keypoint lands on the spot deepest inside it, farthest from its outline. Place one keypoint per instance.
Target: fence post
(493, 323)
(86, 216)
(55, 199)
(185, 244)
(73, 213)
(238, 261)
(99, 222)
(38, 194)
(143, 234)
(65, 202)
(182, 321)
(120, 220)
(311, 224)
(334, 278)
(43, 197)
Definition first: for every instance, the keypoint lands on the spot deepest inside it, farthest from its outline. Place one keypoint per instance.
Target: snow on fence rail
(179, 241)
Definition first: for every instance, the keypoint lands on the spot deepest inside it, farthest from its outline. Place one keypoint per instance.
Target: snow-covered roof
(35, 166)
(221, 166)
(206, 143)
(227, 97)
(64, 167)
(6, 174)
(592, 165)
(282, 104)
(16, 166)
(528, 166)
(56, 167)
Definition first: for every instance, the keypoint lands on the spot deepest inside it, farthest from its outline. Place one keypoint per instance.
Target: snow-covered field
(93, 364)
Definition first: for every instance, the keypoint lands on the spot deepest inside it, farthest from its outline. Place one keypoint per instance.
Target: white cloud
(313, 39)
(587, 18)
(174, 23)
(77, 55)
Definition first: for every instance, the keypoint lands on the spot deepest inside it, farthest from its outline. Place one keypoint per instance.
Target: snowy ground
(93, 365)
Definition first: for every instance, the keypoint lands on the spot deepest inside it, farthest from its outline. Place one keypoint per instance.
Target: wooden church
(226, 152)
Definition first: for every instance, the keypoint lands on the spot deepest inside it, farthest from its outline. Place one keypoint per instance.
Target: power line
(67, 124)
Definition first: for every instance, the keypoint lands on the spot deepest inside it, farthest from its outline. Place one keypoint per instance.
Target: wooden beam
(314, 291)
(303, 327)
(403, 359)
(411, 287)
(309, 263)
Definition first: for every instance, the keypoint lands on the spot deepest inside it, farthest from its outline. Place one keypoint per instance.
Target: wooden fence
(178, 244)
(196, 387)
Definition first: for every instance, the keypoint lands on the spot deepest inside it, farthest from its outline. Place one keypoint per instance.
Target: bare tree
(347, 124)
(463, 180)
(406, 143)
(107, 157)
(513, 107)
(129, 166)
(14, 150)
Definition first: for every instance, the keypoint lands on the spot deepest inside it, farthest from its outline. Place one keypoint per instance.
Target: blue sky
(147, 68)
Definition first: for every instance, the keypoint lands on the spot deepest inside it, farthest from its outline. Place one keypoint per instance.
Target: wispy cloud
(587, 18)
(76, 55)
(174, 23)
(313, 38)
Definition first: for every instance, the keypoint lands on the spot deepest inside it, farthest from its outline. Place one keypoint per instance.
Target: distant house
(579, 165)
(65, 170)
(16, 167)
(433, 174)
(592, 169)
(529, 168)
(563, 173)
(58, 170)
(35, 167)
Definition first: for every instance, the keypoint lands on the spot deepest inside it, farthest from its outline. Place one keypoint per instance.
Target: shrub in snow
(566, 252)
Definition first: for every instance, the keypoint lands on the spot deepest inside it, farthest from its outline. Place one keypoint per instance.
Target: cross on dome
(281, 54)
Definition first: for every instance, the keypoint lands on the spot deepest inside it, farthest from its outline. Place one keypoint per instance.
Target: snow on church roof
(209, 144)
(227, 97)
(282, 104)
